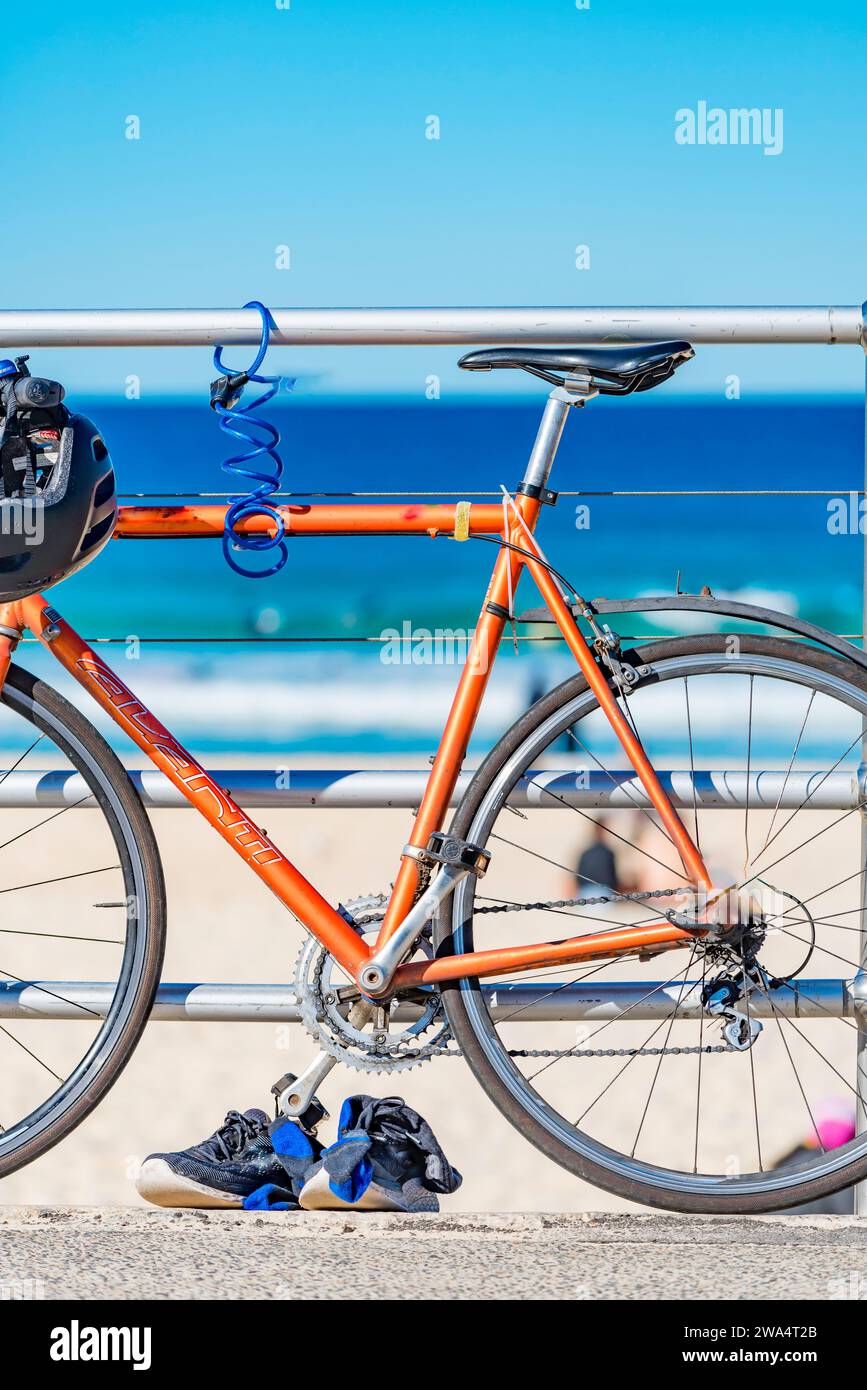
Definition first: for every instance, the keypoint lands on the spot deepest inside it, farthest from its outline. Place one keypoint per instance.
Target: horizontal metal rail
(296, 327)
(440, 493)
(550, 788)
(534, 1002)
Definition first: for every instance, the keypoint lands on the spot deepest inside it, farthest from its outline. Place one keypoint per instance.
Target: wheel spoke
(660, 1059)
(19, 761)
(50, 993)
(824, 949)
(39, 824)
(534, 853)
(821, 1055)
(63, 878)
(807, 799)
(700, 1058)
(570, 1052)
(619, 786)
(769, 996)
(751, 1050)
(19, 1043)
(749, 768)
(803, 844)
(827, 921)
(691, 764)
(788, 771)
(623, 840)
(647, 1041)
(60, 936)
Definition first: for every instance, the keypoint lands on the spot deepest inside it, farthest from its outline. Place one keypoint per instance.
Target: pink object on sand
(835, 1121)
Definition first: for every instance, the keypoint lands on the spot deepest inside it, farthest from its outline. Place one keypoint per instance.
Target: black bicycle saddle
(612, 371)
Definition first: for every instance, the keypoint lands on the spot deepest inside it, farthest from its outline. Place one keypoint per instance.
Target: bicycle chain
(612, 897)
(583, 902)
(593, 1051)
(446, 1051)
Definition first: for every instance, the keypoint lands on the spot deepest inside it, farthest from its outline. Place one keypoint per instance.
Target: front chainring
(381, 1047)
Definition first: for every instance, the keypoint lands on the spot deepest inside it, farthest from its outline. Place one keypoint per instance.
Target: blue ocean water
(339, 694)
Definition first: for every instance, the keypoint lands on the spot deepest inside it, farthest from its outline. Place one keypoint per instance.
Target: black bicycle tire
(48, 709)
(453, 992)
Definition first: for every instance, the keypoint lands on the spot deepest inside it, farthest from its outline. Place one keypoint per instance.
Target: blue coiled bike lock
(260, 461)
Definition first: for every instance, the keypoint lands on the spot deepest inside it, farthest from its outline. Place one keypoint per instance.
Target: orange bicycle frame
(516, 524)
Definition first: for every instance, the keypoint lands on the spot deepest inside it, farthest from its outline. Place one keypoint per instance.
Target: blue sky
(305, 126)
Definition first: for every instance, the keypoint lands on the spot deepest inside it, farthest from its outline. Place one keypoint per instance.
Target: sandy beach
(225, 926)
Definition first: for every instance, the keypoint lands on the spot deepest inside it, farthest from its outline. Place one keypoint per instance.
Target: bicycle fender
(722, 608)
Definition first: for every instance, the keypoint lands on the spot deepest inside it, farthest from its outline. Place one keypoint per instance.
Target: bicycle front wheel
(82, 923)
(721, 1076)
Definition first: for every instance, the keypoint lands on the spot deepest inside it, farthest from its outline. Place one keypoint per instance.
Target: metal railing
(837, 325)
(843, 324)
(585, 789)
(519, 1003)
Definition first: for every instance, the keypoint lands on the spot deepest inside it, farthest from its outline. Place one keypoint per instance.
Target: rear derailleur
(727, 994)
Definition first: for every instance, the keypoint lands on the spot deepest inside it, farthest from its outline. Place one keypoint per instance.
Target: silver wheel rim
(91, 1065)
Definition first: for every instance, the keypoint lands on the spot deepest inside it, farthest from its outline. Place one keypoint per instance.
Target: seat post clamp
(546, 495)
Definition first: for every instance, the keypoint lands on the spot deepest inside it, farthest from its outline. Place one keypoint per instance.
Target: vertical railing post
(861, 1061)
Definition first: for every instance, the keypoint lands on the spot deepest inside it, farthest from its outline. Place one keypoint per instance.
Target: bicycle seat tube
(402, 921)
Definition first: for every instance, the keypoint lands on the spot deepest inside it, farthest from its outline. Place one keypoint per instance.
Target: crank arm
(295, 1098)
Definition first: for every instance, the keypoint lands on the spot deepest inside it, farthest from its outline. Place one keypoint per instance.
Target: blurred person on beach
(597, 871)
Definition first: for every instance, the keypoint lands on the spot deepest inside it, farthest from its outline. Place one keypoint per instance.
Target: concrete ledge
(128, 1252)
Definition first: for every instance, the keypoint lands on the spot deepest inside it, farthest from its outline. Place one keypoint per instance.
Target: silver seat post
(550, 432)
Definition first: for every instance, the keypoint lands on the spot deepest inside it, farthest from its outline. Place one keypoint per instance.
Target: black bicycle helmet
(57, 494)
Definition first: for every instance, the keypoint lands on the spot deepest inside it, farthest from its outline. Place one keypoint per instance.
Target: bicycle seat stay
(611, 371)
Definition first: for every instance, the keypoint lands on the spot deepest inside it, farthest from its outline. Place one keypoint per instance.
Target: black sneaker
(219, 1172)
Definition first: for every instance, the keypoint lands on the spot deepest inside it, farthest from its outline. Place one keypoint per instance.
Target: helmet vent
(104, 490)
(96, 533)
(98, 448)
(10, 564)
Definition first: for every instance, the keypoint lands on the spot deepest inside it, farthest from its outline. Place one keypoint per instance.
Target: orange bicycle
(677, 1091)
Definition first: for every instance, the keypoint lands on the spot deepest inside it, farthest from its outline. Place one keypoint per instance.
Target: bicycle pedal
(309, 1119)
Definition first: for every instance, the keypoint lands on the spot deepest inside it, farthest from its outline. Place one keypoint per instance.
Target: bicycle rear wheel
(83, 900)
(628, 1080)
